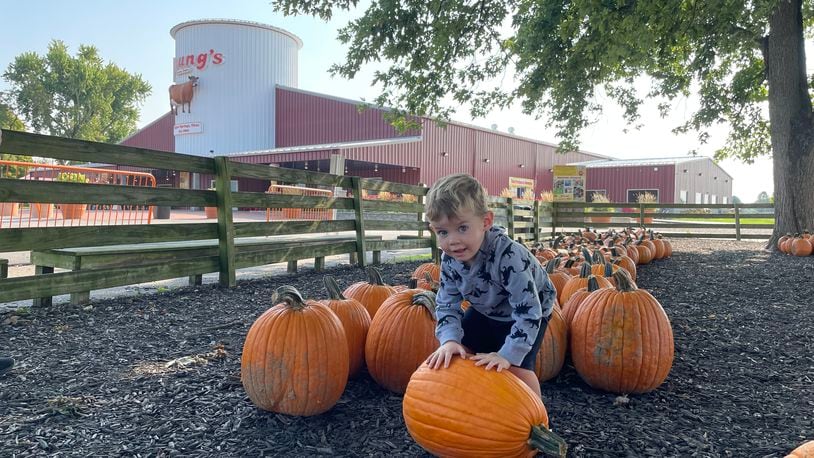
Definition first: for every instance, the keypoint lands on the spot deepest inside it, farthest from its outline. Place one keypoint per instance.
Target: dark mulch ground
(92, 381)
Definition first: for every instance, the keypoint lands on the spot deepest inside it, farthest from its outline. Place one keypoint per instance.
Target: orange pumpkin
(569, 309)
(668, 248)
(645, 254)
(452, 412)
(659, 248)
(557, 277)
(633, 253)
(801, 247)
(626, 263)
(782, 241)
(621, 339)
(575, 283)
(804, 451)
(551, 356)
(401, 337)
(370, 293)
(295, 373)
(431, 268)
(355, 320)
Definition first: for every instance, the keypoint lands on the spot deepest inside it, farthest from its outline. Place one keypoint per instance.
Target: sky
(135, 36)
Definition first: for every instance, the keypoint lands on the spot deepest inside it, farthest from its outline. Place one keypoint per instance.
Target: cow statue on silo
(181, 94)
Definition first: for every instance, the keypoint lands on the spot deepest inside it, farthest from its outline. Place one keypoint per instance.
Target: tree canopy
(744, 60)
(8, 120)
(75, 96)
(553, 57)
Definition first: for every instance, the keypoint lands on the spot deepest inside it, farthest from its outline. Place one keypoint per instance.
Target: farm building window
(682, 196)
(698, 197)
(714, 199)
(725, 200)
(596, 192)
(633, 194)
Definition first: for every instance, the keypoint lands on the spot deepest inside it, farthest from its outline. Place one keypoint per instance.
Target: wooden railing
(529, 220)
(225, 230)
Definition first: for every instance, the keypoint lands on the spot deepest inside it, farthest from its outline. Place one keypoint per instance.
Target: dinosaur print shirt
(505, 282)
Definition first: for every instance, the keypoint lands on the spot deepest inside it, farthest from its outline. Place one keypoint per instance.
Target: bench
(112, 256)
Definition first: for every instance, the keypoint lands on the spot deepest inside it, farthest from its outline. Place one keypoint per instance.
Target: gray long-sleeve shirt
(505, 282)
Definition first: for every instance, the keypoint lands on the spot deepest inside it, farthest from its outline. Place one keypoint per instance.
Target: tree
(736, 200)
(8, 120)
(77, 97)
(744, 59)
(762, 198)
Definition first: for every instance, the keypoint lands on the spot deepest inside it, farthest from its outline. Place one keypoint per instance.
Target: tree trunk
(790, 118)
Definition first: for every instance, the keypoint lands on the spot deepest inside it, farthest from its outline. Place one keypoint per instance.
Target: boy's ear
(488, 219)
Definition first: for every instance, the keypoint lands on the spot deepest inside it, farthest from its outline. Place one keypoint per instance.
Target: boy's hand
(445, 353)
(491, 360)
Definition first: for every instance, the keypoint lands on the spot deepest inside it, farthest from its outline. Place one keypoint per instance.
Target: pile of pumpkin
(796, 245)
(299, 354)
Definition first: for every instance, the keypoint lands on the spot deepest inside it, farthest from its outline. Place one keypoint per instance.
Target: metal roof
(640, 162)
(450, 122)
(331, 146)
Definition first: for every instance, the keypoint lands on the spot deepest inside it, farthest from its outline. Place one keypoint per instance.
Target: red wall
(157, 135)
(617, 180)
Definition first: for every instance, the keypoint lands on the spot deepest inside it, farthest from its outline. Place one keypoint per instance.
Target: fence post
(510, 216)
(536, 221)
(226, 229)
(360, 225)
(737, 222)
(554, 211)
(641, 214)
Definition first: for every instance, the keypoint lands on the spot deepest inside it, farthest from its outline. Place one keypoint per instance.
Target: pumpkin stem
(427, 299)
(333, 288)
(412, 283)
(593, 285)
(290, 296)
(587, 255)
(374, 276)
(548, 443)
(585, 270)
(624, 283)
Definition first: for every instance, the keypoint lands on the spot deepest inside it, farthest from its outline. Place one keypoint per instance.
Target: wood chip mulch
(158, 375)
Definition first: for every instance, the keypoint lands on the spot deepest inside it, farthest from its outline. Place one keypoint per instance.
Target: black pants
(485, 335)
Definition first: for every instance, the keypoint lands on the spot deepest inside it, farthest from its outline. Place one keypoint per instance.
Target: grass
(744, 221)
(418, 257)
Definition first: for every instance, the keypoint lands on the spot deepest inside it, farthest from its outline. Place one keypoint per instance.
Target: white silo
(238, 64)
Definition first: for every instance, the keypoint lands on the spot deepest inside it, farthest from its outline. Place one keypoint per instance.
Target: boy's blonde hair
(454, 194)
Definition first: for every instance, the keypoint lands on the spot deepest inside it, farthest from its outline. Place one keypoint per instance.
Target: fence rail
(529, 220)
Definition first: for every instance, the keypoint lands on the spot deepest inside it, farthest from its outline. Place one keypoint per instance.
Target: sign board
(521, 186)
(515, 182)
(185, 128)
(569, 183)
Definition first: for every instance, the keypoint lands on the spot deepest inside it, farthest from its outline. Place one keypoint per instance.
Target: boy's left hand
(491, 360)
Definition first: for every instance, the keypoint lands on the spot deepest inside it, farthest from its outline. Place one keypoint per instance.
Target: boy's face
(461, 236)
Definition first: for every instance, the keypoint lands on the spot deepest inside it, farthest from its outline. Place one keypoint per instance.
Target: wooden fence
(529, 220)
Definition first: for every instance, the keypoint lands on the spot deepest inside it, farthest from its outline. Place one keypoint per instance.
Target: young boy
(510, 294)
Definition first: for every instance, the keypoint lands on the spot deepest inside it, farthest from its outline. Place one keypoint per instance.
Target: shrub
(70, 177)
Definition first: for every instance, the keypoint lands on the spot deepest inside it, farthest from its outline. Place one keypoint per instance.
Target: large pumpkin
(575, 283)
(551, 356)
(465, 411)
(430, 268)
(370, 293)
(355, 320)
(800, 247)
(401, 337)
(295, 357)
(569, 309)
(621, 339)
(804, 451)
(558, 277)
